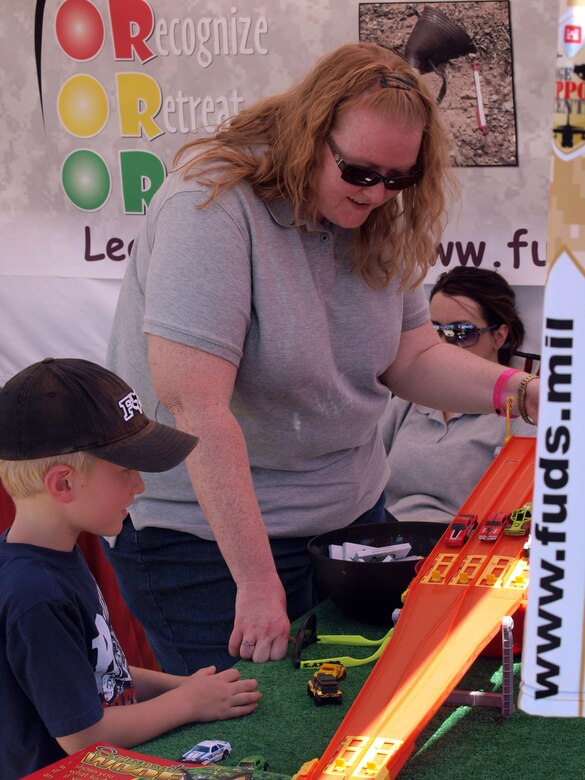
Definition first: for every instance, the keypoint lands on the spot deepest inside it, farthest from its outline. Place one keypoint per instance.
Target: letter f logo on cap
(129, 404)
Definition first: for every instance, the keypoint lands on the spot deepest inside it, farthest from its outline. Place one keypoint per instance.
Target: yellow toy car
(323, 684)
(335, 669)
(324, 689)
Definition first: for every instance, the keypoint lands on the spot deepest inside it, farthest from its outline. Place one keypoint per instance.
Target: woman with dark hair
(494, 296)
(271, 302)
(436, 458)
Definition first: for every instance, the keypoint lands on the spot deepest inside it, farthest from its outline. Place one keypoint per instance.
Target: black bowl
(370, 592)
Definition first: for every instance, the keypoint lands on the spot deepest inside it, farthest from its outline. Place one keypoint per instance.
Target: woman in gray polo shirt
(272, 300)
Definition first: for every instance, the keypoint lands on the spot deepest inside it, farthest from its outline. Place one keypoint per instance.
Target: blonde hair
(400, 238)
(25, 478)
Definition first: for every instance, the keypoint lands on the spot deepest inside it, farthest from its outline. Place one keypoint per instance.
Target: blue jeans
(180, 589)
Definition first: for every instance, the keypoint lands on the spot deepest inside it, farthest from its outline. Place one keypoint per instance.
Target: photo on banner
(463, 50)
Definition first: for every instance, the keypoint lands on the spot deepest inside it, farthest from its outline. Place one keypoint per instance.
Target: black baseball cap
(62, 405)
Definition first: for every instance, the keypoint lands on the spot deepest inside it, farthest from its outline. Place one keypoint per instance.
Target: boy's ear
(58, 482)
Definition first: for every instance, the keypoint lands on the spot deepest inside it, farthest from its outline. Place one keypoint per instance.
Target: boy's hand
(220, 695)
(203, 696)
(205, 670)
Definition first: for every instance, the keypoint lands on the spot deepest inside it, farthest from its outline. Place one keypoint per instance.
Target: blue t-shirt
(60, 661)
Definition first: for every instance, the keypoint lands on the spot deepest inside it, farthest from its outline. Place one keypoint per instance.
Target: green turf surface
(459, 743)
(222, 772)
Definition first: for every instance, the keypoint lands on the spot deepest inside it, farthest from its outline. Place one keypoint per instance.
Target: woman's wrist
(510, 395)
(522, 389)
(500, 394)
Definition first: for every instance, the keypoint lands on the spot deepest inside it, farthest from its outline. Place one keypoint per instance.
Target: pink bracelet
(499, 400)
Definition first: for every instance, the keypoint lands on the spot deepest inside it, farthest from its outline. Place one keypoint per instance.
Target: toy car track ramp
(454, 607)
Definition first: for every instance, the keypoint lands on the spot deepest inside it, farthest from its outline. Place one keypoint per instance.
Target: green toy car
(254, 763)
(519, 521)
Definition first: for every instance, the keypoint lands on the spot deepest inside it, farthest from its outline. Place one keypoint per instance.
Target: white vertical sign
(553, 658)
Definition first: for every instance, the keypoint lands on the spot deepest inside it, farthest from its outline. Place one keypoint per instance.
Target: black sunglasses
(464, 334)
(363, 177)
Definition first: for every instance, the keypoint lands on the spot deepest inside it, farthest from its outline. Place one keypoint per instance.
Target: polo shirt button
(324, 236)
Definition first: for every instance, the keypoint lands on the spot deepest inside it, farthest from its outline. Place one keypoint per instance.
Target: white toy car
(210, 751)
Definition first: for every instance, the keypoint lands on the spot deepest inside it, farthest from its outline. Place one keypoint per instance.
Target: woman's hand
(261, 627)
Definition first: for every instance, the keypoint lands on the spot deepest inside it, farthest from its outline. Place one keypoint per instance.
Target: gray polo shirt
(434, 465)
(238, 280)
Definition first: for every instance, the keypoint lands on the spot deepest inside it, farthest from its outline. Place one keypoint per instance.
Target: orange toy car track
(454, 607)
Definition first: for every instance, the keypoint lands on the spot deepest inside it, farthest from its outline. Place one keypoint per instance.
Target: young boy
(73, 438)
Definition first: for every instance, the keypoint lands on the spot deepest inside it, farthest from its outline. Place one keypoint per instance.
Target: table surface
(458, 742)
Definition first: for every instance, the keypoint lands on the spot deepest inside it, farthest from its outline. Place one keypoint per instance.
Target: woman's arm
(444, 376)
(197, 388)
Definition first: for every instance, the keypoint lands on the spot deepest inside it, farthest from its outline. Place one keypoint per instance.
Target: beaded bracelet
(522, 398)
(499, 401)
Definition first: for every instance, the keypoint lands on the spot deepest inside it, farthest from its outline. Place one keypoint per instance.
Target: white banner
(97, 95)
(553, 657)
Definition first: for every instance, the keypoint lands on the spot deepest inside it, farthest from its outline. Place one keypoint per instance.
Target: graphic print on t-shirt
(112, 676)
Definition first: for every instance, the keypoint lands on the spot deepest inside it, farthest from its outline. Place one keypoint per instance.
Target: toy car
(460, 530)
(254, 763)
(335, 669)
(493, 527)
(324, 689)
(208, 752)
(520, 521)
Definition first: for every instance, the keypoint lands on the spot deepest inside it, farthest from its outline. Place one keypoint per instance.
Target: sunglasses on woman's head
(364, 177)
(464, 334)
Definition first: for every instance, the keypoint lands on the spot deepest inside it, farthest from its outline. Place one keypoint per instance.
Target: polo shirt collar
(281, 212)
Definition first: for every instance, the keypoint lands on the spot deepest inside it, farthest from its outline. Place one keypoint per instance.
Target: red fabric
(6, 509)
(128, 630)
